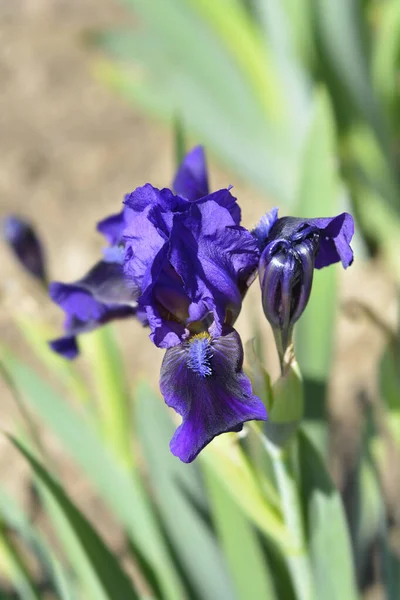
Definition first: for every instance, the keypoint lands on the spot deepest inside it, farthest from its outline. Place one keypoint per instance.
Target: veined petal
(336, 235)
(148, 196)
(191, 179)
(112, 228)
(203, 381)
(214, 258)
(264, 226)
(99, 297)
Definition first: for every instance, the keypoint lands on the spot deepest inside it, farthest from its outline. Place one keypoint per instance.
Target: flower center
(200, 354)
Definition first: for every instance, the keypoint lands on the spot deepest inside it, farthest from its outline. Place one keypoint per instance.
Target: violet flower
(290, 250)
(183, 263)
(26, 246)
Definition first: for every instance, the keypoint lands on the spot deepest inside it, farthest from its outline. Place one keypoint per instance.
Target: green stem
(298, 560)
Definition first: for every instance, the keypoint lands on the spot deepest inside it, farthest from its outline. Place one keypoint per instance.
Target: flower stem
(298, 560)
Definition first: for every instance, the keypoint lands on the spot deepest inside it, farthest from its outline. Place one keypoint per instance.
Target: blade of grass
(97, 567)
(122, 491)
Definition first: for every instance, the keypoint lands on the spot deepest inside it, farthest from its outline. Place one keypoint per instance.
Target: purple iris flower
(191, 263)
(182, 263)
(26, 246)
(290, 250)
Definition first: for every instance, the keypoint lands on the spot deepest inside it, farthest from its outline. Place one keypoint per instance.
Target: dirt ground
(69, 151)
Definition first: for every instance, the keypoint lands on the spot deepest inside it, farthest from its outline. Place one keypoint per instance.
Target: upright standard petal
(214, 258)
(203, 381)
(26, 246)
(191, 179)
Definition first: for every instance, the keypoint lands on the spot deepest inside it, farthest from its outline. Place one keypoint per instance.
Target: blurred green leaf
(257, 498)
(389, 379)
(130, 503)
(107, 371)
(37, 334)
(318, 197)
(179, 138)
(224, 87)
(342, 34)
(386, 58)
(193, 541)
(15, 566)
(327, 534)
(246, 560)
(96, 566)
(12, 515)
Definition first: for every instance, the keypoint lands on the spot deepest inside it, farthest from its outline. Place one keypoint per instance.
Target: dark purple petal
(146, 197)
(336, 235)
(165, 333)
(26, 246)
(226, 200)
(144, 240)
(101, 296)
(112, 228)
(74, 326)
(203, 381)
(107, 283)
(65, 346)
(76, 301)
(264, 226)
(213, 257)
(191, 179)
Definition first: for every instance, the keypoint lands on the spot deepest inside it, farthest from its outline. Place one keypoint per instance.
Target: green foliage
(301, 99)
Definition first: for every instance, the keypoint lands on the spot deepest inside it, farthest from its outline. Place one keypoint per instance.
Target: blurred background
(87, 113)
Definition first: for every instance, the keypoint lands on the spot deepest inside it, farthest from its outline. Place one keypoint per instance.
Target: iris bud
(286, 273)
(26, 246)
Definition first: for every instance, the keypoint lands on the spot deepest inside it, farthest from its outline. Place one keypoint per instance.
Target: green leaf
(328, 537)
(37, 334)
(342, 34)
(130, 505)
(15, 566)
(224, 87)
(96, 566)
(317, 196)
(14, 517)
(257, 498)
(194, 543)
(385, 59)
(112, 391)
(180, 146)
(246, 560)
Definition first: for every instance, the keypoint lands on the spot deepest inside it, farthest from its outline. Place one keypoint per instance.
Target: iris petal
(112, 227)
(215, 402)
(101, 296)
(26, 246)
(191, 179)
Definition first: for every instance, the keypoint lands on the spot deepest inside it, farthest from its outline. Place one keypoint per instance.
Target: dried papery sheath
(26, 246)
